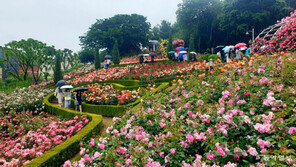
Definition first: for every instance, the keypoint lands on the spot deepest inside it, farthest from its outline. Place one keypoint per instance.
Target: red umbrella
(239, 45)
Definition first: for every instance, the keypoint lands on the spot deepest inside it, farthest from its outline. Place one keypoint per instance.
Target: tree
(115, 53)
(86, 56)
(130, 31)
(165, 30)
(66, 55)
(191, 44)
(97, 60)
(57, 69)
(170, 45)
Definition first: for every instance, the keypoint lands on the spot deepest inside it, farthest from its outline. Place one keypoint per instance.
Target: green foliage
(207, 57)
(215, 22)
(97, 60)
(86, 56)
(57, 69)
(115, 53)
(59, 154)
(170, 45)
(128, 30)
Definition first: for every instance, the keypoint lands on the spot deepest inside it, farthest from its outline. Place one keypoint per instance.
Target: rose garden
(204, 112)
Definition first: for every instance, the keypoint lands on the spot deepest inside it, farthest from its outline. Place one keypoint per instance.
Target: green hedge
(114, 110)
(68, 149)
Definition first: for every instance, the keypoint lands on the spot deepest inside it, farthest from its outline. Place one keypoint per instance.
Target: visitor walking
(105, 63)
(108, 62)
(78, 101)
(185, 57)
(59, 95)
(237, 53)
(67, 95)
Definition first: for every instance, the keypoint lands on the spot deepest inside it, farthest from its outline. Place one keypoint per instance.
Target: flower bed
(108, 95)
(135, 59)
(100, 75)
(243, 115)
(24, 137)
(25, 99)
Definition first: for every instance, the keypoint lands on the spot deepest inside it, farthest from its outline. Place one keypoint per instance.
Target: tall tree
(165, 30)
(115, 53)
(58, 75)
(97, 60)
(130, 31)
(86, 55)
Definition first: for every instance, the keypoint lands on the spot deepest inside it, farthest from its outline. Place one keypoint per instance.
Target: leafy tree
(170, 45)
(130, 31)
(57, 69)
(115, 53)
(27, 54)
(191, 44)
(86, 56)
(165, 30)
(97, 60)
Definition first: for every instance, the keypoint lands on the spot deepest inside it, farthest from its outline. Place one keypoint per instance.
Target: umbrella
(67, 87)
(152, 54)
(81, 90)
(239, 45)
(193, 53)
(140, 55)
(108, 57)
(181, 48)
(231, 46)
(145, 55)
(172, 52)
(184, 52)
(226, 49)
(220, 47)
(244, 48)
(61, 83)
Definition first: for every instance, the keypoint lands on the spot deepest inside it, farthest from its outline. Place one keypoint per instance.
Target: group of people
(65, 94)
(232, 53)
(107, 62)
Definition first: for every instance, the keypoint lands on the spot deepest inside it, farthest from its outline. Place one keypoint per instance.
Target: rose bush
(244, 114)
(25, 99)
(107, 95)
(24, 137)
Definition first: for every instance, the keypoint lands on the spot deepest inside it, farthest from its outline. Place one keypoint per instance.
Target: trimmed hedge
(69, 148)
(114, 110)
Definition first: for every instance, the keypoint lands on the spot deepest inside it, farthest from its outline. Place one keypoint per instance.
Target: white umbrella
(146, 55)
(67, 87)
(183, 52)
(226, 49)
(193, 53)
(231, 46)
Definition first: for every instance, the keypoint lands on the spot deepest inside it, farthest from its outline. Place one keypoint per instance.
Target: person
(219, 54)
(141, 59)
(185, 57)
(105, 63)
(108, 62)
(237, 53)
(78, 101)
(248, 52)
(180, 57)
(231, 53)
(67, 95)
(227, 57)
(176, 55)
(59, 95)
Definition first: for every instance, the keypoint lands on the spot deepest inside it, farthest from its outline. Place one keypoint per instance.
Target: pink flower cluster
(25, 137)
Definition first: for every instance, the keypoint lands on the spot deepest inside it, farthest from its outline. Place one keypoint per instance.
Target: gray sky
(61, 22)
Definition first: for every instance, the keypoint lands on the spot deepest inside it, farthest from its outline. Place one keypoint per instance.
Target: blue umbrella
(181, 48)
(171, 52)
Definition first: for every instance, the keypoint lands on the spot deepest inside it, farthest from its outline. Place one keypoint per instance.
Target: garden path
(106, 123)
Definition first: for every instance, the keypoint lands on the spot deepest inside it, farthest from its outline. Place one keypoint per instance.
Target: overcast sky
(61, 22)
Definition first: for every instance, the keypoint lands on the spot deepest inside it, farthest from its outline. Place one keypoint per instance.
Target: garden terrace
(241, 115)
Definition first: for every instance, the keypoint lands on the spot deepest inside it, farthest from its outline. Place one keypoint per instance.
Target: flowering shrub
(163, 47)
(25, 99)
(107, 95)
(241, 115)
(80, 71)
(284, 40)
(101, 75)
(24, 137)
(135, 59)
(178, 42)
